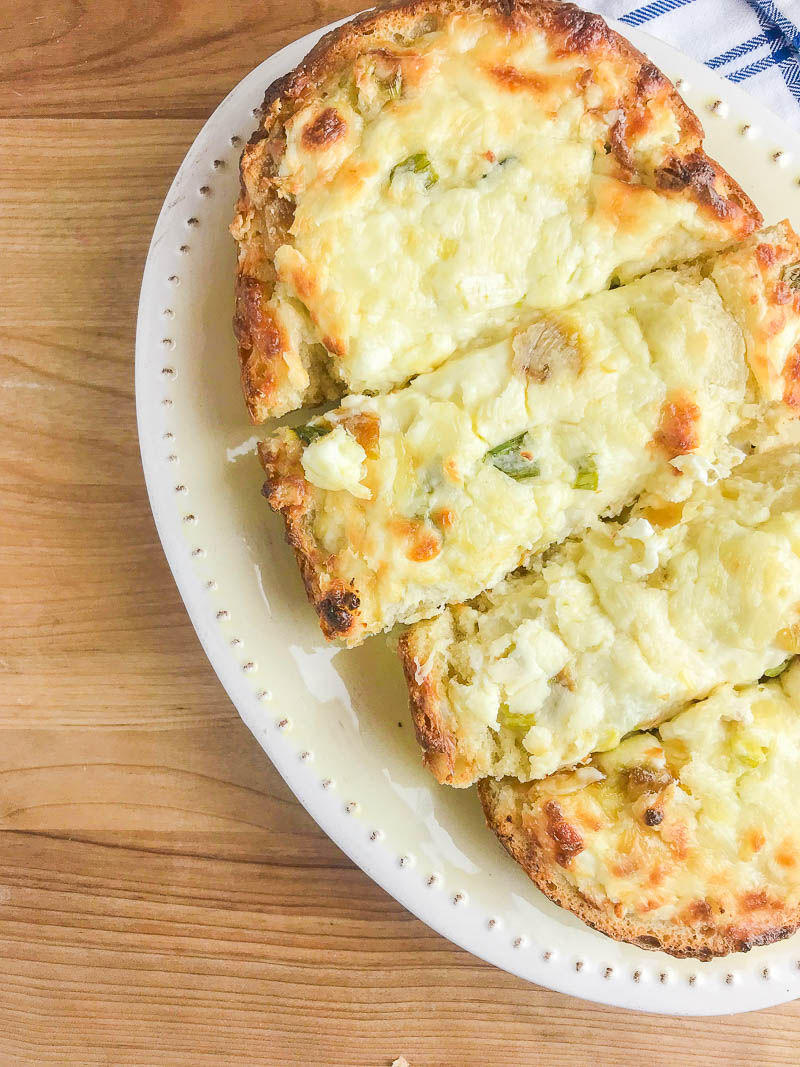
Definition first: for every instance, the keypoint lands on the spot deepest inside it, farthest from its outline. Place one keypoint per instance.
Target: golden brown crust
(263, 216)
(694, 935)
(337, 604)
(427, 704)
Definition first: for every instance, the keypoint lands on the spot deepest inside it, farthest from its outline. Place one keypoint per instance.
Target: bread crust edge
(338, 605)
(429, 707)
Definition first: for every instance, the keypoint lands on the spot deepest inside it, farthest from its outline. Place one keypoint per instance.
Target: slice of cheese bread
(686, 839)
(398, 504)
(614, 632)
(433, 172)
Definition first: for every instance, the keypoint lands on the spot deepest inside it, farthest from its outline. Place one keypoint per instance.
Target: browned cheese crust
(264, 217)
(544, 848)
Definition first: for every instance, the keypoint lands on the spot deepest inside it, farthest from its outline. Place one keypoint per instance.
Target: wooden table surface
(163, 898)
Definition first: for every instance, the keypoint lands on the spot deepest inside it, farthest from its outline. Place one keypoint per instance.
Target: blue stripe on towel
(652, 11)
(742, 49)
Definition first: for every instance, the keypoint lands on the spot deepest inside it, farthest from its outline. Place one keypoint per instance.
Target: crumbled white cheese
(538, 740)
(336, 461)
(642, 531)
(701, 469)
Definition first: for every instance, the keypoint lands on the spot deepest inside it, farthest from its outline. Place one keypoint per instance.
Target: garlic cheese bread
(434, 172)
(686, 839)
(398, 504)
(614, 632)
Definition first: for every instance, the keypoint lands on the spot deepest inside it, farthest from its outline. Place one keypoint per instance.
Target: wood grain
(130, 59)
(163, 898)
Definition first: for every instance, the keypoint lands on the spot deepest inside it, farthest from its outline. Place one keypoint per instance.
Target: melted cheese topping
(619, 630)
(336, 462)
(591, 389)
(694, 823)
(438, 200)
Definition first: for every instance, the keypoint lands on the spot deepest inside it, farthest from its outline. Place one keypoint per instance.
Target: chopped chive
(586, 474)
(416, 164)
(773, 672)
(507, 458)
(512, 445)
(310, 433)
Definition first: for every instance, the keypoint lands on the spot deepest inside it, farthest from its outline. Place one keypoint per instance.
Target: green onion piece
(506, 160)
(516, 720)
(773, 672)
(507, 458)
(586, 474)
(615, 283)
(310, 433)
(791, 275)
(512, 445)
(395, 87)
(416, 164)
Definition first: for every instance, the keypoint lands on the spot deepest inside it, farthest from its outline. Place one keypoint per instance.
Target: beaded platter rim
(455, 891)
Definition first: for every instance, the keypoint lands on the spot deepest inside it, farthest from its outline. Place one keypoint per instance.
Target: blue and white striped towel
(755, 43)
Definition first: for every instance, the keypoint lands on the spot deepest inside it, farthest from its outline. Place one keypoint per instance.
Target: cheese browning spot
(757, 900)
(568, 842)
(781, 294)
(678, 433)
(649, 81)
(366, 428)
(337, 610)
(786, 855)
(791, 379)
(516, 80)
(326, 128)
(583, 31)
(700, 911)
(422, 543)
(425, 546)
(756, 840)
(303, 281)
(697, 173)
(765, 254)
(335, 346)
(444, 518)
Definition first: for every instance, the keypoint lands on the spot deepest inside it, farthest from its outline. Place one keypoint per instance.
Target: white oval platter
(334, 722)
